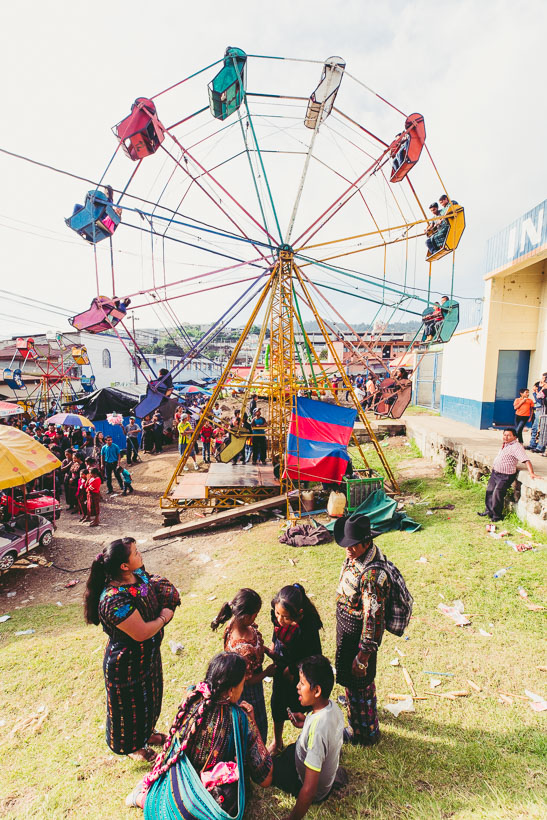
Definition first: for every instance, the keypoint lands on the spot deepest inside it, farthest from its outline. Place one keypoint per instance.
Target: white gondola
(322, 99)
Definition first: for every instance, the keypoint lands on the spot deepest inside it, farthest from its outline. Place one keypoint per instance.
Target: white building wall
(110, 362)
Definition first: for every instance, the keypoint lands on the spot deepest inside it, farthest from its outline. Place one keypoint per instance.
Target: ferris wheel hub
(285, 251)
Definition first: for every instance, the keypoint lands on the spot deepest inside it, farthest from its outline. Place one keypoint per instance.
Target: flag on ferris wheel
(317, 444)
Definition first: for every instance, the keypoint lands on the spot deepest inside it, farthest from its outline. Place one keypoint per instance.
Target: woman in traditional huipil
(133, 608)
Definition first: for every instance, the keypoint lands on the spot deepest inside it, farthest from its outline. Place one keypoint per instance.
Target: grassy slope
(467, 758)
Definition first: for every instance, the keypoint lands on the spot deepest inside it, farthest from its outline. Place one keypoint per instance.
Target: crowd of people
(219, 733)
(218, 431)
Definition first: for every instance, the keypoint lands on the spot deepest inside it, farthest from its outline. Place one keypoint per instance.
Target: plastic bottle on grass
(501, 572)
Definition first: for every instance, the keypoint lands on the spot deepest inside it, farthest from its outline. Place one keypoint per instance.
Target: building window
(107, 359)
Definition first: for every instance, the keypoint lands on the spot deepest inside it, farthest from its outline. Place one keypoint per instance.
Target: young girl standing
(93, 496)
(243, 637)
(81, 495)
(295, 637)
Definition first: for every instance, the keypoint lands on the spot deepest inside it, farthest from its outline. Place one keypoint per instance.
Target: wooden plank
(220, 518)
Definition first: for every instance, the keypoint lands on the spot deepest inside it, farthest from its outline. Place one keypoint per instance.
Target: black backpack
(398, 606)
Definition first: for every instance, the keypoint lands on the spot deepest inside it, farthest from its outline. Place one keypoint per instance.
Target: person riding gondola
(106, 222)
(431, 321)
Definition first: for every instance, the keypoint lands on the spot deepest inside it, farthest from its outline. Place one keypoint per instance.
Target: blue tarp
(114, 430)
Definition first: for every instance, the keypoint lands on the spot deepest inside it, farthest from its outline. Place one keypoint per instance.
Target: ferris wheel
(258, 168)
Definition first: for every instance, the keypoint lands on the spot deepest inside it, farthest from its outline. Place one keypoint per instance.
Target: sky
(475, 71)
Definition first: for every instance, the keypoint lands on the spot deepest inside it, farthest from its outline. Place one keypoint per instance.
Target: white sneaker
(185, 467)
(196, 466)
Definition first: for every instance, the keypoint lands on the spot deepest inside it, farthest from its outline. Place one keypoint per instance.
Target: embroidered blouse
(252, 651)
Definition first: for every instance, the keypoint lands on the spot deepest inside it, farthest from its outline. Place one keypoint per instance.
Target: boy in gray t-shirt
(307, 768)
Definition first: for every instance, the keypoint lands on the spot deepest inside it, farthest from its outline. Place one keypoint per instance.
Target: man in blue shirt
(258, 425)
(110, 462)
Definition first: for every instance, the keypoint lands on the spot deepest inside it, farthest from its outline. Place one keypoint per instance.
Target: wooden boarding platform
(222, 484)
(223, 517)
(241, 475)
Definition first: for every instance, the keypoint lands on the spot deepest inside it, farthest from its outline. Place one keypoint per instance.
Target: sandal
(131, 799)
(144, 755)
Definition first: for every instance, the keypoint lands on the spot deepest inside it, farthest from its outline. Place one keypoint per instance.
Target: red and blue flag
(317, 444)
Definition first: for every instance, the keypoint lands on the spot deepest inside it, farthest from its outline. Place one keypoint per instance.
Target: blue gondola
(227, 90)
(87, 219)
(88, 383)
(14, 379)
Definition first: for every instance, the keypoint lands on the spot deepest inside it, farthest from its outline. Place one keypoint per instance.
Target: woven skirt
(348, 634)
(254, 694)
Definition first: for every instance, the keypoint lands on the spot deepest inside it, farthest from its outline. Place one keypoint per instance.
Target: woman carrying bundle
(212, 744)
(243, 637)
(133, 608)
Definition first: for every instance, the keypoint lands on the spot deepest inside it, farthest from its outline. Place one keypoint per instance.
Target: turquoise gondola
(227, 89)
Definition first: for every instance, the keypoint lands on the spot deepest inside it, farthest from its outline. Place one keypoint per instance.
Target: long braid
(163, 763)
(225, 671)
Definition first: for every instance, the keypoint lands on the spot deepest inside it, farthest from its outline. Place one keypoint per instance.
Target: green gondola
(227, 89)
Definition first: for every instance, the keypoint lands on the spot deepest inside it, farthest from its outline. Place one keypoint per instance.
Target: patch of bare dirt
(75, 545)
(419, 468)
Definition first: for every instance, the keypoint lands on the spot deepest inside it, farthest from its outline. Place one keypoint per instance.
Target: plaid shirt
(508, 457)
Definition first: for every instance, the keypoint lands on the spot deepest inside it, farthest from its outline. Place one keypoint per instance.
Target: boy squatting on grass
(308, 769)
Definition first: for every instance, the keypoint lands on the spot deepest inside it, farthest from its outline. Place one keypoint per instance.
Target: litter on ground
(31, 724)
(455, 612)
(406, 705)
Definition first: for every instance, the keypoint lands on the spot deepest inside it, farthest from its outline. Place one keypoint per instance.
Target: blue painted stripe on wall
(469, 411)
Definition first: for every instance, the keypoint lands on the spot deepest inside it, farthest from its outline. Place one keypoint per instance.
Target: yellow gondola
(455, 215)
(79, 354)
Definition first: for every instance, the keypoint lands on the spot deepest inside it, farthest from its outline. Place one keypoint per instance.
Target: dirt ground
(75, 545)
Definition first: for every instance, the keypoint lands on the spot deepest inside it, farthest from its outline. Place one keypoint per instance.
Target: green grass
(469, 758)
(415, 410)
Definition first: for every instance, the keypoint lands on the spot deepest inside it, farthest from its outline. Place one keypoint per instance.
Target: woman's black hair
(106, 565)
(404, 372)
(293, 598)
(245, 602)
(225, 671)
(109, 192)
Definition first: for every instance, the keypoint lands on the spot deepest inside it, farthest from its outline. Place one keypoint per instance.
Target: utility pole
(134, 349)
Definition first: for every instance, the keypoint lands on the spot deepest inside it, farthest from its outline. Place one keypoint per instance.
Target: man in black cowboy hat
(360, 611)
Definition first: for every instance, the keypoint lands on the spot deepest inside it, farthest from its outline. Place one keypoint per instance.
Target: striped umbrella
(70, 420)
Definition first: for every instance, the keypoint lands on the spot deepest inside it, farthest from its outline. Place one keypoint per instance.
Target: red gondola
(394, 398)
(141, 133)
(103, 314)
(407, 147)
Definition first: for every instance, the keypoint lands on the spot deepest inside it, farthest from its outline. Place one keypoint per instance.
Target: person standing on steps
(524, 407)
